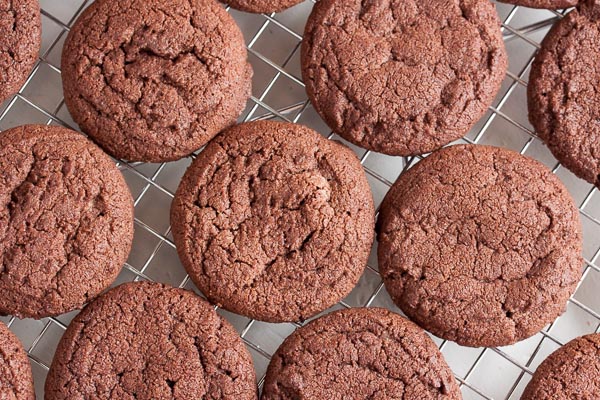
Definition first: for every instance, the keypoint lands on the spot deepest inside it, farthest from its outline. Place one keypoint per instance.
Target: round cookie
(479, 245)
(547, 4)
(360, 353)
(66, 221)
(16, 381)
(262, 6)
(273, 221)
(571, 372)
(564, 92)
(150, 341)
(402, 77)
(153, 80)
(20, 40)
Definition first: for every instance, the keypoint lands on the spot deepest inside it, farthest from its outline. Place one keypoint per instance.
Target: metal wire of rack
(273, 43)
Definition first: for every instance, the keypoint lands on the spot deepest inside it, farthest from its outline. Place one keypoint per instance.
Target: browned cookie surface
(20, 38)
(273, 221)
(262, 6)
(571, 372)
(154, 80)
(16, 382)
(480, 245)
(564, 91)
(66, 221)
(402, 77)
(549, 4)
(150, 341)
(357, 354)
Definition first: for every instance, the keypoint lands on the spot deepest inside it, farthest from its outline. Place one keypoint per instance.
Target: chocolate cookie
(153, 80)
(262, 6)
(480, 245)
(66, 221)
(16, 381)
(273, 221)
(20, 39)
(564, 91)
(150, 341)
(548, 4)
(571, 372)
(361, 353)
(402, 77)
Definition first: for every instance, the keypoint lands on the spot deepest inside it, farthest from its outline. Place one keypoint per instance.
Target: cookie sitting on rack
(402, 77)
(571, 372)
(564, 91)
(152, 80)
(150, 341)
(16, 382)
(66, 221)
(273, 221)
(480, 245)
(20, 40)
(360, 353)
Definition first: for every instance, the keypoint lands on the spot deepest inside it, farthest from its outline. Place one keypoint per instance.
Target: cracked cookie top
(548, 4)
(16, 381)
(273, 221)
(402, 77)
(564, 91)
(150, 341)
(20, 39)
(571, 372)
(480, 245)
(153, 80)
(355, 354)
(66, 221)
(262, 6)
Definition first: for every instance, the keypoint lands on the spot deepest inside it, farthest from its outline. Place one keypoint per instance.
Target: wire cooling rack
(278, 93)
